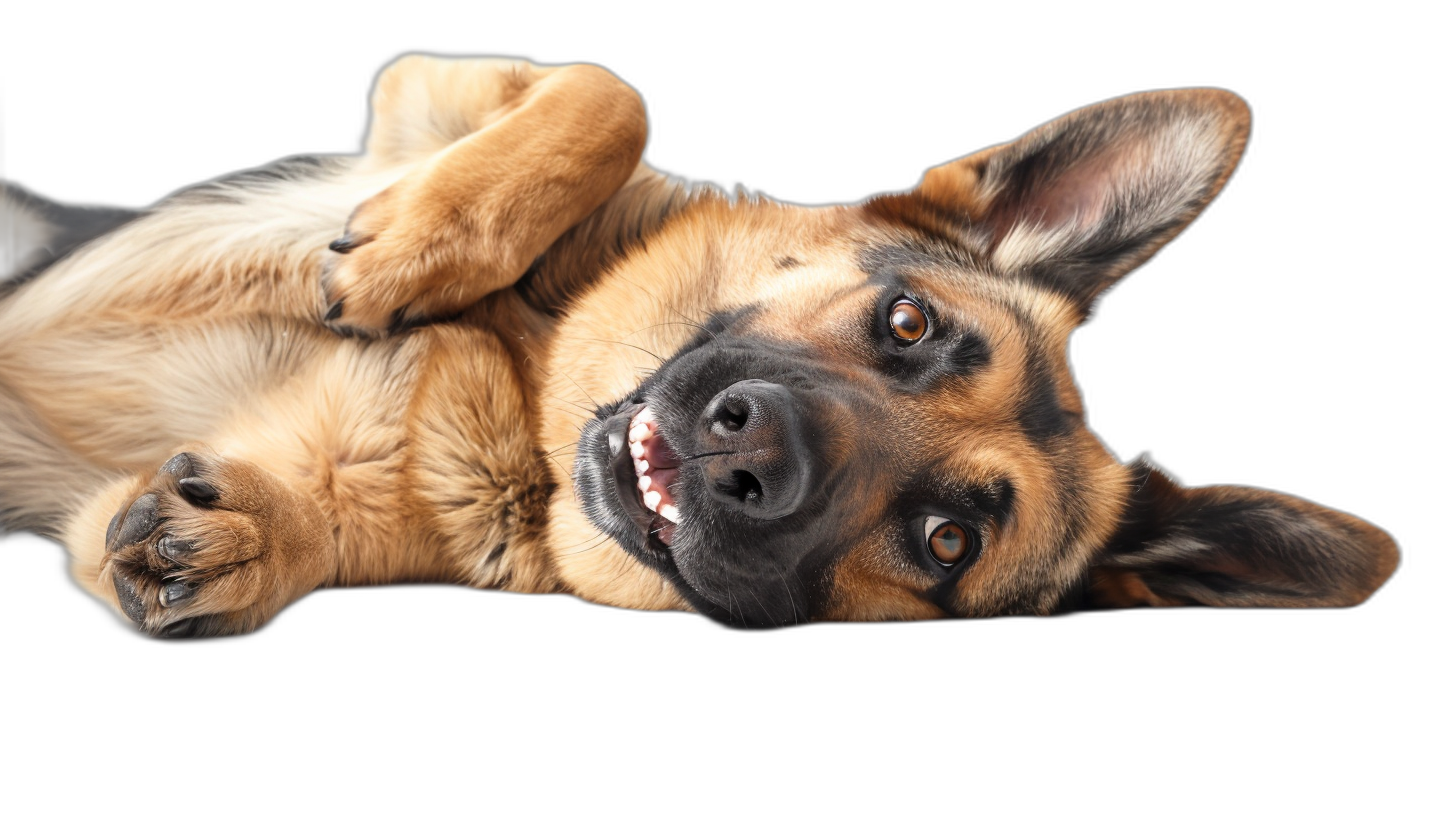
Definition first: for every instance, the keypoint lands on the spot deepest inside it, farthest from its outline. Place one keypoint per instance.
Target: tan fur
(509, 198)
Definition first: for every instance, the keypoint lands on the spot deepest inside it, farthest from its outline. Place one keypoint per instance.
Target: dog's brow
(901, 258)
(946, 489)
(892, 260)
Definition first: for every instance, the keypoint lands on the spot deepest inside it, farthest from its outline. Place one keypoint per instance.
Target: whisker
(583, 391)
(684, 322)
(593, 546)
(757, 600)
(588, 407)
(583, 412)
(639, 348)
(565, 473)
(562, 448)
(703, 455)
(619, 343)
(793, 606)
(691, 322)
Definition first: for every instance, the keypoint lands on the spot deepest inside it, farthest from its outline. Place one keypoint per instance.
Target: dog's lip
(622, 467)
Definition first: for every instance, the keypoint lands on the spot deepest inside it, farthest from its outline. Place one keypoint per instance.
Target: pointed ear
(1082, 200)
(1235, 546)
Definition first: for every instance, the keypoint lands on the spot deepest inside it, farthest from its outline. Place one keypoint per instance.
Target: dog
(497, 349)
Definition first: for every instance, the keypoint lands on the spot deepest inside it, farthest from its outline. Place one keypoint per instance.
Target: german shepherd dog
(497, 349)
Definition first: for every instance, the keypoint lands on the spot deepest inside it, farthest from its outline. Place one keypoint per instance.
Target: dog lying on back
(496, 349)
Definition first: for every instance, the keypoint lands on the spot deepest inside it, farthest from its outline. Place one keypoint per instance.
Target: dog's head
(867, 412)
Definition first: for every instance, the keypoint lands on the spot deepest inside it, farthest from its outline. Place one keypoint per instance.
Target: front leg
(204, 546)
(552, 145)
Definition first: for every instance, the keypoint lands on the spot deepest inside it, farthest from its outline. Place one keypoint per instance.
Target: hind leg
(517, 154)
(203, 546)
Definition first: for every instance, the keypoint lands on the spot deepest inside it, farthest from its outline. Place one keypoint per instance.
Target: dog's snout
(757, 461)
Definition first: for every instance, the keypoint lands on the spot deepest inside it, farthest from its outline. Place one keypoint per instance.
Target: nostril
(729, 416)
(749, 488)
(743, 486)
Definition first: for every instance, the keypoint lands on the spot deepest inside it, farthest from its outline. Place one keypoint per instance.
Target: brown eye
(908, 321)
(948, 541)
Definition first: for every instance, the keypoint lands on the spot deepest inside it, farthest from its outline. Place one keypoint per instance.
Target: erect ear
(1082, 200)
(1235, 546)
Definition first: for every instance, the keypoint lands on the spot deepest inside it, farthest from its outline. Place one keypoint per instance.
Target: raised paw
(406, 257)
(213, 546)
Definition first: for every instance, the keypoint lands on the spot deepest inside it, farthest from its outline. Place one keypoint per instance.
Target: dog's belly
(124, 394)
(331, 417)
(418, 448)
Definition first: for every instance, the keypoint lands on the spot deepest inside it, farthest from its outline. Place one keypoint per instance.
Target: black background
(1264, 347)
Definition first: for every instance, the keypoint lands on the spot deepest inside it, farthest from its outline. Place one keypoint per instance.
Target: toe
(181, 466)
(138, 523)
(129, 598)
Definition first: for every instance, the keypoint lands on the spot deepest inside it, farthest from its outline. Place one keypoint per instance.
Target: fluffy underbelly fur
(196, 328)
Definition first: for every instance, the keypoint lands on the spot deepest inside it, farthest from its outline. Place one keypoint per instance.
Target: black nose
(761, 465)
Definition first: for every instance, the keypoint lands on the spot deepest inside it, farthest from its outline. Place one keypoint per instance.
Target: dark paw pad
(139, 522)
(182, 466)
(131, 600)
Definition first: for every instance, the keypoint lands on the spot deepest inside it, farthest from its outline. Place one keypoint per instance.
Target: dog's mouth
(656, 466)
(644, 467)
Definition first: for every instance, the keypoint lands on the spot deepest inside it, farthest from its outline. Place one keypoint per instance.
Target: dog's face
(866, 413)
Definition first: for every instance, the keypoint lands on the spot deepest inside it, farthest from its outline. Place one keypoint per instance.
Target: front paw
(206, 549)
(406, 258)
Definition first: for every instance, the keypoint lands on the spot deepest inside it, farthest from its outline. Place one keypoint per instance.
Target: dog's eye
(947, 541)
(908, 321)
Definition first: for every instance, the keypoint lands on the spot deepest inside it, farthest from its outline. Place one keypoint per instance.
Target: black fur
(1234, 546)
(72, 227)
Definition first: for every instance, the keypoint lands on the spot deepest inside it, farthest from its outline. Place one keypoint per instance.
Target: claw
(172, 549)
(175, 592)
(180, 629)
(349, 242)
(197, 489)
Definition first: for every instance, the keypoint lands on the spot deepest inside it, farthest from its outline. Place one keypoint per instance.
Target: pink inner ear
(1079, 197)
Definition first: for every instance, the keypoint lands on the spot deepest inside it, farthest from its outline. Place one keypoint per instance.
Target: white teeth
(637, 436)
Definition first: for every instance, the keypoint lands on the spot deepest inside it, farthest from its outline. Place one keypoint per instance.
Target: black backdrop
(1264, 347)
